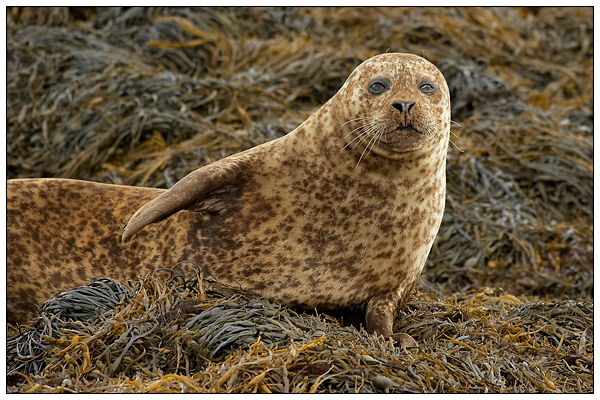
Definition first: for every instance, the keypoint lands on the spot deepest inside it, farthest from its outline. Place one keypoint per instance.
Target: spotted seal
(339, 214)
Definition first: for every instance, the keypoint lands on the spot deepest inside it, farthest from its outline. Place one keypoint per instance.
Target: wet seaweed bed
(143, 96)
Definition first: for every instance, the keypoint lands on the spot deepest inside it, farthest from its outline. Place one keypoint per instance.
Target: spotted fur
(339, 214)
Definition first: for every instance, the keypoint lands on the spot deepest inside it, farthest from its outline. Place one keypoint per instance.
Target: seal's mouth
(401, 133)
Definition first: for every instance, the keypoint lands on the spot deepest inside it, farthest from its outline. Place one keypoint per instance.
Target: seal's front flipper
(405, 341)
(380, 315)
(192, 193)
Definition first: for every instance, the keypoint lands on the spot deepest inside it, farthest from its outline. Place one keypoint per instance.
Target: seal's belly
(334, 256)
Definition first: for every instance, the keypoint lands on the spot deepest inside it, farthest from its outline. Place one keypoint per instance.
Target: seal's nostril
(403, 106)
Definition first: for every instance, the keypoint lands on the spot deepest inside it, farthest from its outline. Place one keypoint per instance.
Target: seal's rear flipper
(188, 192)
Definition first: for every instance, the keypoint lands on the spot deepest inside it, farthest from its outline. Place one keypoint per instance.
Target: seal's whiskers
(366, 135)
(376, 140)
(427, 129)
(360, 127)
(355, 119)
(378, 135)
(367, 146)
(364, 131)
(454, 144)
(433, 127)
(360, 136)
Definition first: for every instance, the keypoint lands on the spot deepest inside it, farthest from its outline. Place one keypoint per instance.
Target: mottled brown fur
(305, 220)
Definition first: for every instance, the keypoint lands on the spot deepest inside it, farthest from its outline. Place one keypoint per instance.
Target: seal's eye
(379, 86)
(426, 87)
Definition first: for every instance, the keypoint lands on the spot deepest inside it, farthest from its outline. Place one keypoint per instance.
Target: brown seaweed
(204, 337)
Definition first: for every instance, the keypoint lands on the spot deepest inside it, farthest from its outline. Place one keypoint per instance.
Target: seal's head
(396, 103)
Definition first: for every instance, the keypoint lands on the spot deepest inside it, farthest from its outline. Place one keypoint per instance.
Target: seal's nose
(403, 106)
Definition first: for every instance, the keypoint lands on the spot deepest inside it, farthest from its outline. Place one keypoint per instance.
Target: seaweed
(194, 335)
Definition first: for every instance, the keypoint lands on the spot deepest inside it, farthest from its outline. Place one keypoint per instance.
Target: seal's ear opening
(185, 194)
